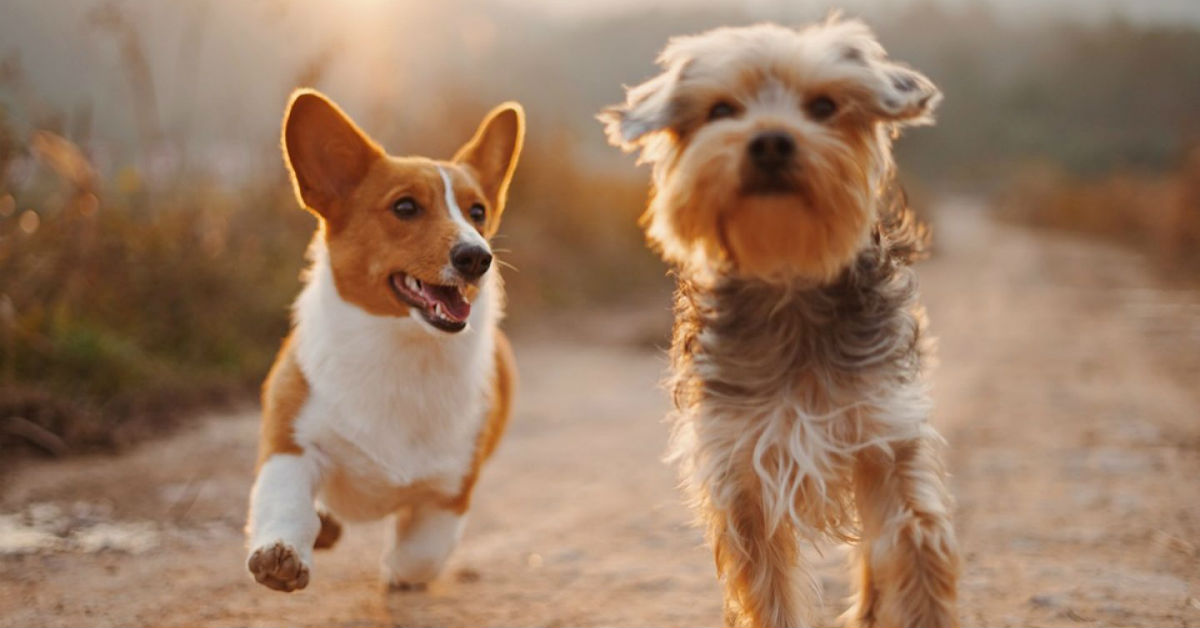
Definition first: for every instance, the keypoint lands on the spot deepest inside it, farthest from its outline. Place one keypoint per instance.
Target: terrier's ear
(493, 152)
(888, 90)
(326, 154)
(647, 109)
(902, 95)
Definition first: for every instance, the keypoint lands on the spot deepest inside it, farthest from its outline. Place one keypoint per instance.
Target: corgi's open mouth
(441, 306)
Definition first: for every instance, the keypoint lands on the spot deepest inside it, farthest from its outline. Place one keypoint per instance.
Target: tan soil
(1068, 389)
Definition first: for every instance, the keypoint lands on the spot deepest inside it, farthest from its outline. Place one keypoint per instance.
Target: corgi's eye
(477, 212)
(721, 110)
(821, 108)
(406, 207)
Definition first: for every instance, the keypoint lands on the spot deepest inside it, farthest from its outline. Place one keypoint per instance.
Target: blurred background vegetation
(150, 245)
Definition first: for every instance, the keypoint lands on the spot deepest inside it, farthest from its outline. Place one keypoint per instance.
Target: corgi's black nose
(471, 260)
(771, 150)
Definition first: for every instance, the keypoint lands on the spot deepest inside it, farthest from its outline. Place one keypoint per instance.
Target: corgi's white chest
(391, 402)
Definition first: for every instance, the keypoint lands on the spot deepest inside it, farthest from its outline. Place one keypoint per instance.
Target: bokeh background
(150, 244)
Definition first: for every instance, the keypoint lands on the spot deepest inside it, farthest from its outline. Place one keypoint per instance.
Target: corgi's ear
(492, 154)
(326, 154)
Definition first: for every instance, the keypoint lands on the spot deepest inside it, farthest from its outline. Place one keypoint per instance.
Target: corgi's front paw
(278, 566)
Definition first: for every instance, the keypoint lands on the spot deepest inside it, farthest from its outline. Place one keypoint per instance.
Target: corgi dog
(395, 384)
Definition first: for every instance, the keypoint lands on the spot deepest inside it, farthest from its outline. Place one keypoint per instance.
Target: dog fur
(395, 383)
(799, 345)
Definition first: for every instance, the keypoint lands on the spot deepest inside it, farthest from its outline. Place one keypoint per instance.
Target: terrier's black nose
(471, 260)
(771, 150)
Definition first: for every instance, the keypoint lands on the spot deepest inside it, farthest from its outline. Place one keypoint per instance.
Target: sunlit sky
(221, 69)
(1147, 10)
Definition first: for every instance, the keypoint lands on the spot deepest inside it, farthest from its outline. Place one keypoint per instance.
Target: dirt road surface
(1069, 389)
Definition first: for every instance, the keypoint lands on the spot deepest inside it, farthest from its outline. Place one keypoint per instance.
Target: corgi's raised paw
(278, 566)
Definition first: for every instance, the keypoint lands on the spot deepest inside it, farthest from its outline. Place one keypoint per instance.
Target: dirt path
(1068, 390)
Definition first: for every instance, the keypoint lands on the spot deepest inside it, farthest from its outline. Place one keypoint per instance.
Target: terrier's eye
(721, 110)
(477, 212)
(821, 108)
(406, 208)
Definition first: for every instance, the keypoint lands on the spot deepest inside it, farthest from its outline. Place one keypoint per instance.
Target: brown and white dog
(799, 342)
(395, 384)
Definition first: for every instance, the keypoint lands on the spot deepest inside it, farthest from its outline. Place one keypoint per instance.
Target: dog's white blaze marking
(467, 232)
(281, 504)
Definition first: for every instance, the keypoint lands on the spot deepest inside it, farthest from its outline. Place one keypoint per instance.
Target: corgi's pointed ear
(326, 154)
(493, 152)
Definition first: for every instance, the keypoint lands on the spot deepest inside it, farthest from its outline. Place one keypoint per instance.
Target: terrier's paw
(278, 566)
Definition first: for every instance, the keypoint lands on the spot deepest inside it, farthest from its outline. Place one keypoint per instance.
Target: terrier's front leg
(908, 555)
(283, 522)
(759, 568)
(419, 546)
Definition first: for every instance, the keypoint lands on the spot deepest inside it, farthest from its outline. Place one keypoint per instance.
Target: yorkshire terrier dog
(801, 410)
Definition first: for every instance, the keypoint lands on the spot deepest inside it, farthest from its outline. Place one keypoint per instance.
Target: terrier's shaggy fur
(799, 340)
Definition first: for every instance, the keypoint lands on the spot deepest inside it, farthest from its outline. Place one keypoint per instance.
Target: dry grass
(1158, 214)
(128, 296)
(571, 235)
(125, 303)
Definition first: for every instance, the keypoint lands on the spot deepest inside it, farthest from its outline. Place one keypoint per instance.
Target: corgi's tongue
(447, 301)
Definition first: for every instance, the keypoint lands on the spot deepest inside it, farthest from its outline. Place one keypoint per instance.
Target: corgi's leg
(331, 529)
(418, 546)
(283, 523)
(908, 558)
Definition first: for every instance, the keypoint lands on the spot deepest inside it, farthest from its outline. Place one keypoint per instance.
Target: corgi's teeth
(437, 310)
(412, 284)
